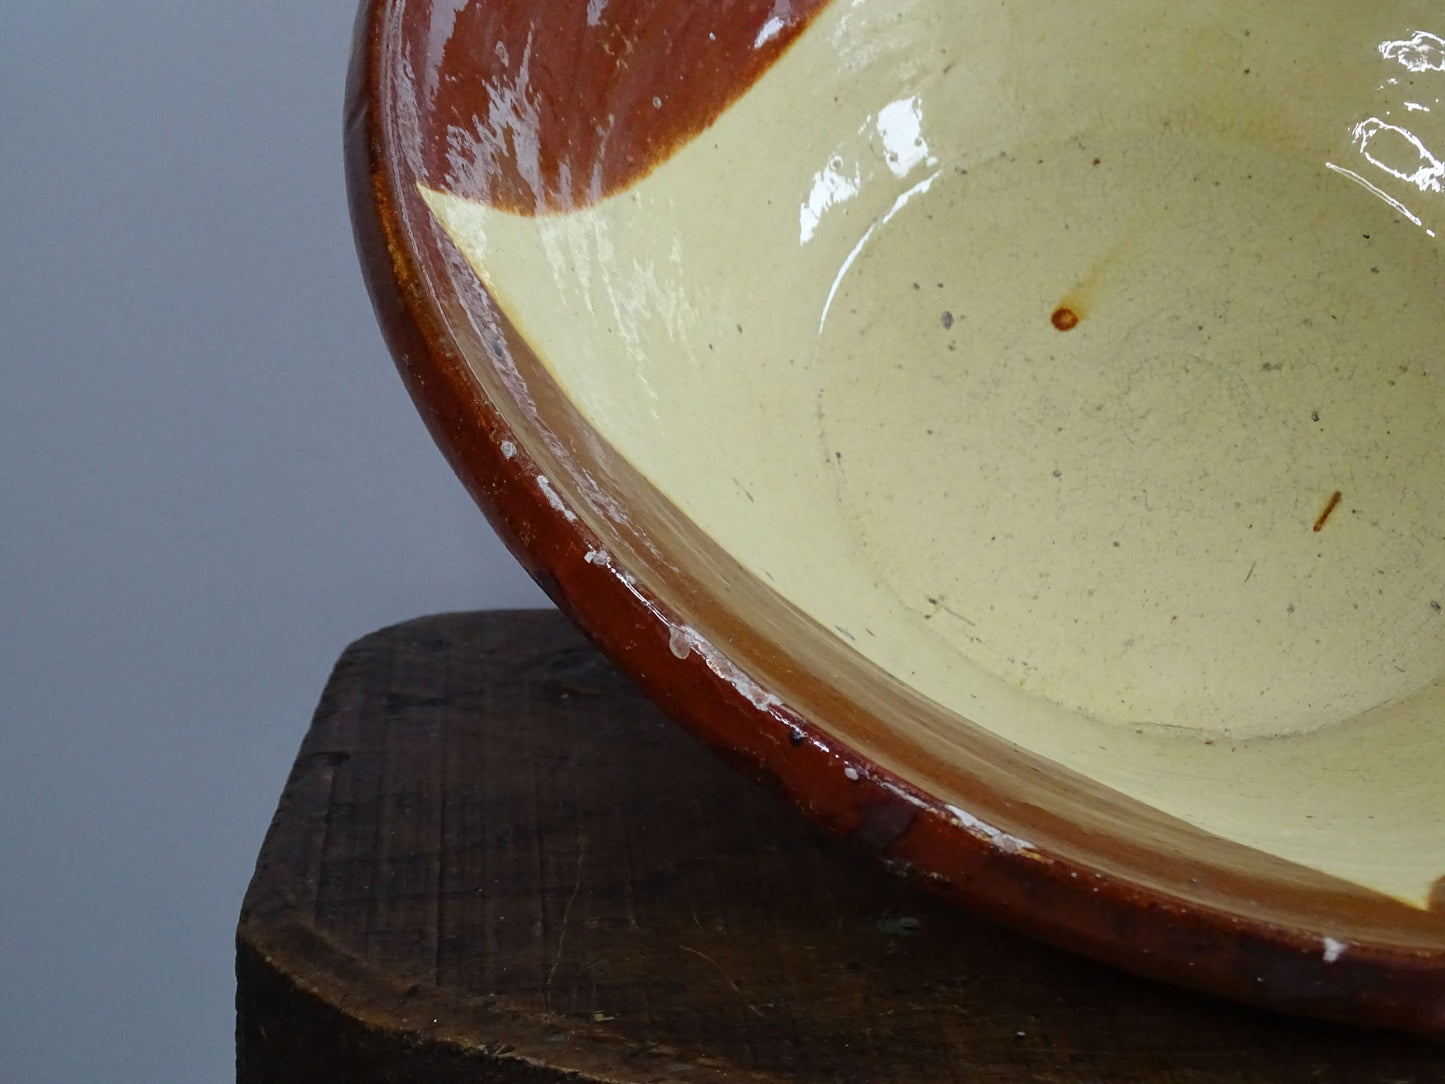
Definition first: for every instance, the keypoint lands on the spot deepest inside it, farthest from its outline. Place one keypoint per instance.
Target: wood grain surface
(494, 860)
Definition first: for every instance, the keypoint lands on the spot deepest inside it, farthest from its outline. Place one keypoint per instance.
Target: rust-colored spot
(1064, 318)
(537, 106)
(1330, 506)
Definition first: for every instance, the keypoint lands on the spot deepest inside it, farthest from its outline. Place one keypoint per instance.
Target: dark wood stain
(1329, 510)
(546, 105)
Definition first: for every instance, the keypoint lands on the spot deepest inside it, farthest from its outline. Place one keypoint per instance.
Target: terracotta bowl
(1015, 429)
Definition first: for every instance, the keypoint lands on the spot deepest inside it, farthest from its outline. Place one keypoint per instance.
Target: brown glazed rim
(1101, 875)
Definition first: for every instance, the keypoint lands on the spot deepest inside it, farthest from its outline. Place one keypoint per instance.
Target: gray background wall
(210, 481)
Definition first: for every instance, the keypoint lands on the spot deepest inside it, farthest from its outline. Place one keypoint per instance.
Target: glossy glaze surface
(1048, 436)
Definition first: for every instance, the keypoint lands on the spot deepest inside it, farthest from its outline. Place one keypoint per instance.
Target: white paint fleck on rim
(678, 642)
(683, 639)
(687, 639)
(1002, 840)
(553, 499)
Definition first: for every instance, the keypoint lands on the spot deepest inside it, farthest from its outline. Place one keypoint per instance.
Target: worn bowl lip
(1047, 895)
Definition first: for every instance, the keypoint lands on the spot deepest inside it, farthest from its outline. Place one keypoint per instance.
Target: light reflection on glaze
(900, 127)
(831, 186)
(1378, 192)
(898, 205)
(1388, 147)
(1421, 52)
(1395, 153)
(508, 132)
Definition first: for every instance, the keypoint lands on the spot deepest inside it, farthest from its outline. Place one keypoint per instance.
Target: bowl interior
(1060, 392)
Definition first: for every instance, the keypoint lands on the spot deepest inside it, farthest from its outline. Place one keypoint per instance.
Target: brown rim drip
(538, 105)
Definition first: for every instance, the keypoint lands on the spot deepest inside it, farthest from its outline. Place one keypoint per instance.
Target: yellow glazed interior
(1026, 351)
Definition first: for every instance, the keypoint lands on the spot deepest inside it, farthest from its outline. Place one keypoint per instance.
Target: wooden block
(494, 860)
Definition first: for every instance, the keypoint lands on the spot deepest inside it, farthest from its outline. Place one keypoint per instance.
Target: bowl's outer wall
(1164, 938)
